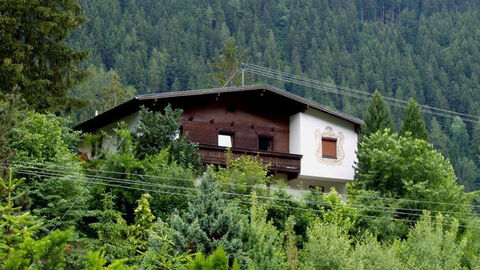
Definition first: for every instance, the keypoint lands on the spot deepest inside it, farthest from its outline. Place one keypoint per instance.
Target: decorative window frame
(329, 133)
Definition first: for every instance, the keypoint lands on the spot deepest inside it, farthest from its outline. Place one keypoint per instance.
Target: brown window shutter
(329, 148)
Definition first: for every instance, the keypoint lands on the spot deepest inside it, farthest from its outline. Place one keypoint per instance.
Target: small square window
(225, 139)
(265, 143)
(329, 148)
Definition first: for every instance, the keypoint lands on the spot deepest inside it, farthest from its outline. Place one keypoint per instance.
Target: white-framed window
(225, 139)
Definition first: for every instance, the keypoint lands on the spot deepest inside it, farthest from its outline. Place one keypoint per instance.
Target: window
(329, 148)
(225, 139)
(265, 143)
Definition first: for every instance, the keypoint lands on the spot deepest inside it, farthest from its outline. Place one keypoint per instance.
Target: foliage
(226, 65)
(160, 131)
(330, 208)
(291, 250)
(431, 246)
(18, 247)
(46, 146)
(116, 94)
(404, 49)
(327, 247)
(217, 261)
(112, 232)
(159, 170)
(140, 230)
(161, 253)
(34, 55)
(413, 123)
(9, 117)
(377, 116)
(244, 174)
(94, 90)
(209, 222)
(264, 244)
(96, 261)
(411, 169)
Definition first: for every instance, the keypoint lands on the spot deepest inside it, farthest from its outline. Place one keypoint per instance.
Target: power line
(288, 77)
(82, 192)
(272, 205)
(370, 208)
(240, 185)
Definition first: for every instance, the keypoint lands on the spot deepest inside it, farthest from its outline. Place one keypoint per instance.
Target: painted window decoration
(329, 149)
(225, 139)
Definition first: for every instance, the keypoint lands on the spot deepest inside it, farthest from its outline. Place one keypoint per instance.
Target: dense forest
(427, 50)
(151, 204)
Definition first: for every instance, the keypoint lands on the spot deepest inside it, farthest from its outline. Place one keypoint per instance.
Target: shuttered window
(329, 148)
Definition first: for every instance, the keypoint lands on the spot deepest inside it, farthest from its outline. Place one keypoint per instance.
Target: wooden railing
(279, 162)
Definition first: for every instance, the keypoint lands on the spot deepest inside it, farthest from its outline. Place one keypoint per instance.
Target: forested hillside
(427, 50)
(151, 203)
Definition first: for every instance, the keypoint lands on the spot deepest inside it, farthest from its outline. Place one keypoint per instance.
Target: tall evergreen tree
(377, 116)
(33, 52)
(412, 121)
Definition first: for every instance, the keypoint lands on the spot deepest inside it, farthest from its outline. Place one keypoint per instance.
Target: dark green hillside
(428, 50)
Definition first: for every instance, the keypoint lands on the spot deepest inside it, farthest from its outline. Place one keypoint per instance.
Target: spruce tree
(377, 117)
(413, 123)
(209, 222)
(112, 232)
(33, 55)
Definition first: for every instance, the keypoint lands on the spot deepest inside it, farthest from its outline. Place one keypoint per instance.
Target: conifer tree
(209, 222)
(112, 232)
(19, 246)
(34, 55)
(144, 222)
(438, 138)
(413, 123)
(377, 116)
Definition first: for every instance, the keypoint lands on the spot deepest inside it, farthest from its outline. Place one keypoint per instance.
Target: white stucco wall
(306, 131)
(109, 143)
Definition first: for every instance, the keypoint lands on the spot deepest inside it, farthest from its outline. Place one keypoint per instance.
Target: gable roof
(135, 103)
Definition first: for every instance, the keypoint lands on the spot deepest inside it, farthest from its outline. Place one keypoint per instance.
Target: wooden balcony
(279, 162)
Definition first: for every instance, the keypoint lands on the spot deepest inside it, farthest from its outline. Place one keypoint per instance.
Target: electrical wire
(252, 186)
(360, 207)
(287, 77)
(271, 205)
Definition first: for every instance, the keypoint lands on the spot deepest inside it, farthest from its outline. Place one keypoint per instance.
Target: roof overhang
(134, 105)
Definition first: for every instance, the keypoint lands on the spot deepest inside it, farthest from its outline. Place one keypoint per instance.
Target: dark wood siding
(245, 116)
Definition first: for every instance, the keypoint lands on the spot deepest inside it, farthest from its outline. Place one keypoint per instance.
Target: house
(306, 144)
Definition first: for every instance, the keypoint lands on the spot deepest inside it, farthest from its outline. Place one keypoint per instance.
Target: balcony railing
(279, 162)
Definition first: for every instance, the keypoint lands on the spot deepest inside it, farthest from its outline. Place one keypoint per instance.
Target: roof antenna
(243, 74)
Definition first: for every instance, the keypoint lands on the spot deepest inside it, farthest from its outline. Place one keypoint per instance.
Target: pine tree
(413, 123)
(377, 117)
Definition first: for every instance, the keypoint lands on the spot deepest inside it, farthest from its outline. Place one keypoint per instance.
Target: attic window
(225, 139)
(329, 147)
(265, 143)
